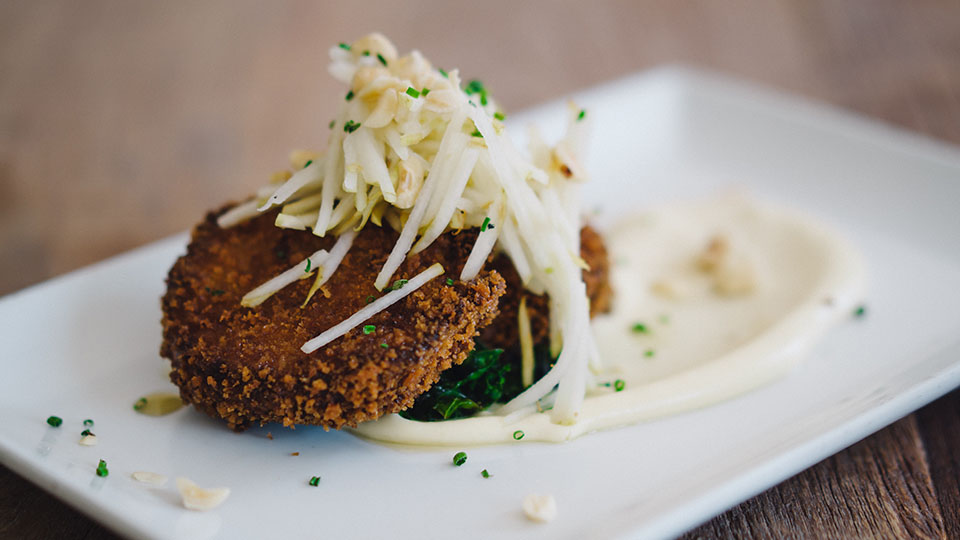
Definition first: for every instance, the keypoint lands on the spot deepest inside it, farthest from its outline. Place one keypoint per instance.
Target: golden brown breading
(244, 365)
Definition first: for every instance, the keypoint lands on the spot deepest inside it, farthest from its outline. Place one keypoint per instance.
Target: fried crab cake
(245, 365)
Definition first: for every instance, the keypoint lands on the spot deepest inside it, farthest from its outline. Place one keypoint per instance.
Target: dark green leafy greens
(486, 377)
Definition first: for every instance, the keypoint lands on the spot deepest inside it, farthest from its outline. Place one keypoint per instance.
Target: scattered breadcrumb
(715, 254)
(672, 288)
(197, 498)
(540, 508)
(88, 440)
(732, 273)
(152, 478)
(294, 453)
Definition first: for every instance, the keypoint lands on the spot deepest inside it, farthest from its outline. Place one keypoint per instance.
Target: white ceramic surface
(85, 346)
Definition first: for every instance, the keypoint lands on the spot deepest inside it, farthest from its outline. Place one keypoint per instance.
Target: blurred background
(122, 122)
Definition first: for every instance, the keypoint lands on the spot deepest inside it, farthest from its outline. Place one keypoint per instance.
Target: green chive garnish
(639, 328)
(214, 292)
(449, 281)
(398, 284)
(517, 435)
(366, 53)
(860, 311)
(344, 46)
(141, 403)
(499, 116)
(369, 329)
(619, 385)
(55, 421)
(308, 163)
(349, 95)
(384, 345)
(424, 92)
(476, 133)
(381, 59)
(486, 224)
(583, 112)
(86, 432)
(102, 469)
(88, 423)
(332, 123)
(442, 72)
(412, 92)
(649, 353)
(484, 473)
(459, 458)
(314, 481)
(351, 126)
(307, 269)
(476, 87)
(371, 298)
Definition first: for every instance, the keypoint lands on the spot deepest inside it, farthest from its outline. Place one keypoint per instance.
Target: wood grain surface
(122, 122)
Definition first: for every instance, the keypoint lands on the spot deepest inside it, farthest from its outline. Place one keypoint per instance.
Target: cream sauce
(699, 347)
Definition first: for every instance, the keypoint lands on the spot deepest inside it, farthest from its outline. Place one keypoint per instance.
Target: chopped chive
(639, 328)
(649, 353)
(619, 385)
(499, 116)
(583, 113)
(475, 86)
(344, 46)
(369, 329)
(412, 92)
(384, 345)
(307, 269)
(55, 421)
(398, 284)
(86, 432)
(366, 53)
(314, 481)
(88, 423)
(381, 59)
(860, 311)
(449, 281)
(332, 123)
(141, 403)
(308, 163)
(349, 95)
(214, 292)
(476, 133)
(102, 469)
(484, 473)
(486, 224)
(459, 458)
(371, 298)
(442, 72)
(517, 435)
(424, 92)
(351, 126)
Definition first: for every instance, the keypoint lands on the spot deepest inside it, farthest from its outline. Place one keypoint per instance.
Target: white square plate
(85, 346)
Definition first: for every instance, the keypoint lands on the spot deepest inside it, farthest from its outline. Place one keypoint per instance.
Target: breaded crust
(504, 331)
(244, 365)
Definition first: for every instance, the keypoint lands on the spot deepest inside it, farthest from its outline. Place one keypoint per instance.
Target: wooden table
(121, 122)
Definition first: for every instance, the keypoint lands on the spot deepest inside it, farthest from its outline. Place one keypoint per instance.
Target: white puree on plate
(705, 347)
